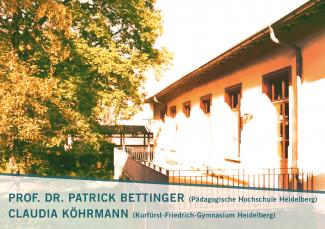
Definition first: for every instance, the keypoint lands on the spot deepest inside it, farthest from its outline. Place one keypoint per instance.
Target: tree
(62, 64)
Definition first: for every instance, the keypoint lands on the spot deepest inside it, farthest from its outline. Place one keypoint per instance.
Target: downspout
(155, 100)
(295, 80)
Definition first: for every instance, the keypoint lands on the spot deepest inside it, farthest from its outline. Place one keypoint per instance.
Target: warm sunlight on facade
(257, 107)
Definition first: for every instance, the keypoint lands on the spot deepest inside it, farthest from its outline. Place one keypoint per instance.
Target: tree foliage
(63, 63)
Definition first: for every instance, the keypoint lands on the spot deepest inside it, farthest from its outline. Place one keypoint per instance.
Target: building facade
(259, 105)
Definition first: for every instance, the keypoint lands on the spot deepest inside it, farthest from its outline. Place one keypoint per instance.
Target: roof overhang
(123, 129)
(292, 18)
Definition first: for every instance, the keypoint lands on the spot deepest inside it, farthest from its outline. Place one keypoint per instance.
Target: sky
(196, 31)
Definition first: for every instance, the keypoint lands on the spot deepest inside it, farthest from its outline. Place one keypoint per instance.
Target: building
(255, 112)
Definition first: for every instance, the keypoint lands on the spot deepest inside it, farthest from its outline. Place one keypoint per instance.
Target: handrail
(268, 178)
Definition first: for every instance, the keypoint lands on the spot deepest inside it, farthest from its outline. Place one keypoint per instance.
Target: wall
(312, 105)
(203, 140)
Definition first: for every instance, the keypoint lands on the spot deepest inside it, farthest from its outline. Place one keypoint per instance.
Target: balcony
(139, 163)
(135, 163)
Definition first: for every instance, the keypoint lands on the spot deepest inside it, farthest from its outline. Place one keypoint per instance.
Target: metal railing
(282, 178)
(270, 178)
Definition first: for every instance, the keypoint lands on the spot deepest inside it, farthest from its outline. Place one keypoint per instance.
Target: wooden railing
(140, 153)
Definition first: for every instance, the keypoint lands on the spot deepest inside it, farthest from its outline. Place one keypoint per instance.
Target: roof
(123, 129)
(292, 18)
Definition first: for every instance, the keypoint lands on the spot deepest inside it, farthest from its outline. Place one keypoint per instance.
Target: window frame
(268, 88)
(187, 112)
(229, 92)
(273, 76)
(172, 111)
(162, 114)
(206, 110)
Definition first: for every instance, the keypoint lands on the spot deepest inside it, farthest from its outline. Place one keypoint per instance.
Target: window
(233, 96)
(276, 87)
(233, 99)
(162, 115)
(205, 104)
(187, 108)
(172, 111)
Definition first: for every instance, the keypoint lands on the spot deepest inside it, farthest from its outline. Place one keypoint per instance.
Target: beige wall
(312, 109)
(206, 140)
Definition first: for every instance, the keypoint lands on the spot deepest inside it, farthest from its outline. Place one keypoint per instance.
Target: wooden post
(144, 139)
(123, 142)
(149, 148)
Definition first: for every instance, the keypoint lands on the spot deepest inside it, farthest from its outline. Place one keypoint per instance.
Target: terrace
(142, 163)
